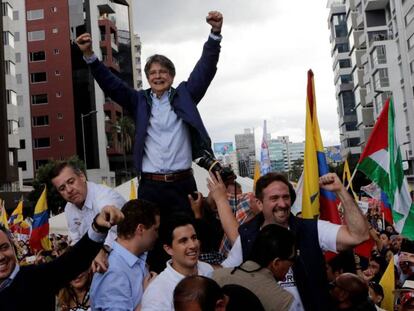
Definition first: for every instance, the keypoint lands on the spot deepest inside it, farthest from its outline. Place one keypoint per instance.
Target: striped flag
(17, 216)
(39, 238)
(381, 162)
(132, 191)
(265, 166)
(346, 179)
(315, 201)
(3, 215)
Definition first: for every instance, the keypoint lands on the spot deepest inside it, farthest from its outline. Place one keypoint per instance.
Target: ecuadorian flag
(315, 201)
(17, 215)
(39, 239)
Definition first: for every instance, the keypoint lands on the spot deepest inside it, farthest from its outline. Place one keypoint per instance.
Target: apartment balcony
(352, 20)
(372, 5)
(360, 94)
(356, 57)
(358, 77)
(364, 132)
(360, 21)
(105, 9)
(365, 116)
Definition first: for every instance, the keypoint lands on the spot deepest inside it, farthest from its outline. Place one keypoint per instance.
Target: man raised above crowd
(307, 279)
(84, 200)
(169, 129)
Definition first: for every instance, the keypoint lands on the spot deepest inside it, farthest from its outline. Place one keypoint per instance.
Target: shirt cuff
(90, 59)
(215, 37)
(96, 236)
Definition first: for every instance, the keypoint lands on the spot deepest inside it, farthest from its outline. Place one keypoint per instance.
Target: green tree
(125, 126)
(296, 170)
(54, 201)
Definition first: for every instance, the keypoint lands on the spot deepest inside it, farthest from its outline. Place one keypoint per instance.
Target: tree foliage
(296, 170)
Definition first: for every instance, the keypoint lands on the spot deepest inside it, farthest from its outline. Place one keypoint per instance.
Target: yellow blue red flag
(132, 191)
(39, 238)
(315, 201)
(3, 215)
(17, 216)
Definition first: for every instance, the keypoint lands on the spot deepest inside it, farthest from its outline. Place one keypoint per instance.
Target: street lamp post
(83, 133)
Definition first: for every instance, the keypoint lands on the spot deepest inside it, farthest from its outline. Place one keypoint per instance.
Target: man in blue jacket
(169, 131)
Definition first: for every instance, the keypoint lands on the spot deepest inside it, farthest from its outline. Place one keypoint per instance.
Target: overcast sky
(267, 48)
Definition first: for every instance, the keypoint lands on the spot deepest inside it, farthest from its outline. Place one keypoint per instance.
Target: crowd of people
(173, 249)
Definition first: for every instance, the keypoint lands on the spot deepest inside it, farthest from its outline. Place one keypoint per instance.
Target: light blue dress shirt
(119, 288)
(167, 145)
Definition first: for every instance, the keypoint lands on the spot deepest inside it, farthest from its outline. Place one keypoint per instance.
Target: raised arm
(219, 195)
(355, 229)
(112, 86)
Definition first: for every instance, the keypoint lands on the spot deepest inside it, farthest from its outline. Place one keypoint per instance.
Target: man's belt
(171, 177)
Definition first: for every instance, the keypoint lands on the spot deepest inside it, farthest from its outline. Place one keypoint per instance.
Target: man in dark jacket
(34, 287)
(307, 279)
(169, 131)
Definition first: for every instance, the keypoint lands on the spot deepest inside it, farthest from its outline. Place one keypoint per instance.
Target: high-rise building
(380, 35)
(52, 108)
(9, 126)
(283, 153)
(246, 153)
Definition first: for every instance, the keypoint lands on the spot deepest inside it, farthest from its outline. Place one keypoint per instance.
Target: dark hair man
(34, 287)
(180, 241)
(84, 200)
(272, 255)
(199, 293)
(307, 279)
(169, 130)
(121, 287)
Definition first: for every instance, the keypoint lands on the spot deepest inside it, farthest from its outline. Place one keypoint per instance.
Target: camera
(208, 162)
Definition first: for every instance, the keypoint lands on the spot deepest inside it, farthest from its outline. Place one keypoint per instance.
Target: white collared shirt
(80, 220)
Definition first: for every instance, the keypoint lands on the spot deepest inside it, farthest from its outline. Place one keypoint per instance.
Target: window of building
(12, 127)
(16, 15)
(411, 42)
(40, 121)
(23, 165)
(38, 77)
(56, 51)
(19, 100)
(37, 56)
(39, 99)
(55, 30)
(61, 138)
(11, 158)
(10, 68)
(35, 14)
(53, 9)
(43, 142)
(39, 163)
(412, 67)
(57, 73)
(11, 97)
(16, 36)
(60, 115)
(22, 144)
(58, 94)
(7, 10)
(18, 57)
(344, 63)
(8, 38)
(36, 35)
(19, 78)
(21, 122)
(409, 17)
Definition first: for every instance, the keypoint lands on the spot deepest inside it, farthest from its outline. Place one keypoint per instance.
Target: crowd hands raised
(227, 251)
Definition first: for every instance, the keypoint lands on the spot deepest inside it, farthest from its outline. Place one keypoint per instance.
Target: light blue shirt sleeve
(111, 292)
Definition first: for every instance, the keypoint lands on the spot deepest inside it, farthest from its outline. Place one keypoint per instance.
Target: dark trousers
(171, 197)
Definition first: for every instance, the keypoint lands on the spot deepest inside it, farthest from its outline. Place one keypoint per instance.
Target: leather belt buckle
(169, 178)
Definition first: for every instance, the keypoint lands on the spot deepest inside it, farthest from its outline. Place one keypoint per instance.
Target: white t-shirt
(79, 220)
(159, 294)
(327, 233)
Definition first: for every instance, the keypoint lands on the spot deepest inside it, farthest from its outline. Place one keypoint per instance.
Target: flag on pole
(256, 175)
(132, 191)
(17, 216)
(315, 201)
(346, 178)
(265, 166)
(388, 285)
(381, 162)
(39, 238)
(3, 215)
